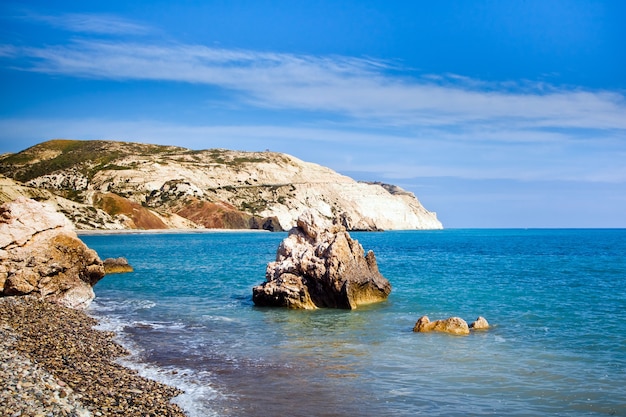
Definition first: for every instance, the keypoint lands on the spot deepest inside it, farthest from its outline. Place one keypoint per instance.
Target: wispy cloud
(387, 119)
(7, 51)
(101, 24)
(435, 153)
(356, 88)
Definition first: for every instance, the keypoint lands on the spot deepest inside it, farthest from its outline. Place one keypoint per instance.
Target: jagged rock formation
(319, 265)
(112, 185)
(452, 325)
(40, 254)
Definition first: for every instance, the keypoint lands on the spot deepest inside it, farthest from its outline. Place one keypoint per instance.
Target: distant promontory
(111, 185)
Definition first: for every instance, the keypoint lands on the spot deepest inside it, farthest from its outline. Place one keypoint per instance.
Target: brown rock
(222, 215)
(479, 324)
(116, 266)
(320, 265)
(452, 325)
(42, 255)
(138, 217)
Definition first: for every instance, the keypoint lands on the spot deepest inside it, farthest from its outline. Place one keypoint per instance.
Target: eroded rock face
(40, 254)
(320, 265)
(452, 325)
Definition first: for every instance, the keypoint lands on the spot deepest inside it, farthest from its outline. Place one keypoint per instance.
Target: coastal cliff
(121, 185)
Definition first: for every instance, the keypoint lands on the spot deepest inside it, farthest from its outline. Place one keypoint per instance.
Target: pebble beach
(54, 363)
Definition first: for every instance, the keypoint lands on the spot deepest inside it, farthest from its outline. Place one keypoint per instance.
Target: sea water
(556, 300)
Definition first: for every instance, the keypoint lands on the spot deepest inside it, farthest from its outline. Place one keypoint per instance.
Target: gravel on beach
(53, 363)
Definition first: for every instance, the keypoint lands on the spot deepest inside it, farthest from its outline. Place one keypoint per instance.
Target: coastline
(95, 232)
(54, 361)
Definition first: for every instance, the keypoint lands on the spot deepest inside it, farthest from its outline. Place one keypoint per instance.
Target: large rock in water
(320, 265)
(40, 254)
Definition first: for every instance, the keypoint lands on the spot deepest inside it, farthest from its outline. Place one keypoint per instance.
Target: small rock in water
(479, 324)
(452, 325)
(116, 266)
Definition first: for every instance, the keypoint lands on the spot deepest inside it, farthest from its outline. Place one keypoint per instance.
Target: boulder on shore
(452, 325)
(320, 265)
(40, 254)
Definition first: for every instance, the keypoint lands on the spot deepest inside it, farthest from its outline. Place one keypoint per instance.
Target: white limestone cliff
(211, 188)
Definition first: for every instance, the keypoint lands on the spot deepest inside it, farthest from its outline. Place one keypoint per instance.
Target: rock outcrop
(115, 185)
(117, 266)
(83, 216)
(452, 325)
(320, 265)
(40, 254)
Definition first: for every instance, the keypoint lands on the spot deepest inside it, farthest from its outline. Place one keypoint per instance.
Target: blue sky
(494, 113)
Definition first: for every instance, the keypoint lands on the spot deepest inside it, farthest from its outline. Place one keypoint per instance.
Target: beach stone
(116, 266)
(480, 323)
(320, 265)
(451, 325)
(42, 255)
(85, 378)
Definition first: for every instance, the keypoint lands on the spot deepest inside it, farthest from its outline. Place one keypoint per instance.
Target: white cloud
(8, 51)
(92, 23)
(386, 119)
(351, 87)
(433, 153)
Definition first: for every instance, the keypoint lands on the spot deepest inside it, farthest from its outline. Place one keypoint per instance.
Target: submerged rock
(320, 265)
(40, 254)
(452, 325)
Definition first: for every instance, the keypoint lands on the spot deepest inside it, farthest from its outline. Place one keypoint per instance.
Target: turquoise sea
(556, 300)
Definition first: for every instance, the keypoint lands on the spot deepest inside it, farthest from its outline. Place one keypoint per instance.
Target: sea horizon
(88, 232)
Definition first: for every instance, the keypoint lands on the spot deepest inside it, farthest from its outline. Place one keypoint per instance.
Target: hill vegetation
(136, 185)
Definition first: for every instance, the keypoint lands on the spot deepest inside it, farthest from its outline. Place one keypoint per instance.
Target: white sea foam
(124, 305)
(219, 318)
(198, 394)
(157, 325)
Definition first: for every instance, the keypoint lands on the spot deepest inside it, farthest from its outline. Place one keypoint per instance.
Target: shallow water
(556, 300)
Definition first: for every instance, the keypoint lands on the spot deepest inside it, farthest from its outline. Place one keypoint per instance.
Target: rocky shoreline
(53, 363)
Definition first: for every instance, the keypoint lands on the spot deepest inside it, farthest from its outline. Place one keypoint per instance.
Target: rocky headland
(319, 265)
(119, 185)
